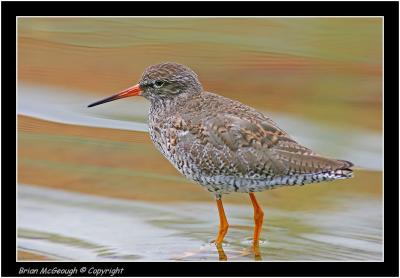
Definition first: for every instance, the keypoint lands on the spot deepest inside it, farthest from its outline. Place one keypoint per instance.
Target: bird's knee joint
(259, 215)
(224, 227)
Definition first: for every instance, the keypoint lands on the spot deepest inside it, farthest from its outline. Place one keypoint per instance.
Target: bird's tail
(344, 171)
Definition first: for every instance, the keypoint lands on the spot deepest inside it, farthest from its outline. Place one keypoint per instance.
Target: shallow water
(93, 187)
(71, 226)
(324, 69)
(361, 146)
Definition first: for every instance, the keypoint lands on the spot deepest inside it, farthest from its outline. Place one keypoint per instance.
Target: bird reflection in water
(255, 250)
(221, 253)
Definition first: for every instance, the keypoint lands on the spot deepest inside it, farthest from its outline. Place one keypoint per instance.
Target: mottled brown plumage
(222, 144)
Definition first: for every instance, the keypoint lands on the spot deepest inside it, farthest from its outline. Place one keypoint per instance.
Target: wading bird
(222, 144)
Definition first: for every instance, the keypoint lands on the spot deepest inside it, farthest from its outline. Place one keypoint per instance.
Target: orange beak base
(131, 91)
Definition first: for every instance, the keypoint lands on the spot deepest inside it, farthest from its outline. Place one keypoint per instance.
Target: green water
(329, 68)
(107, 194)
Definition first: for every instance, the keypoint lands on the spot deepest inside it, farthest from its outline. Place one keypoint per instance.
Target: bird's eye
(158, 83)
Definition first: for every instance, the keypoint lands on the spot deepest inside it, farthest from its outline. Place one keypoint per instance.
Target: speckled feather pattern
(224, 145)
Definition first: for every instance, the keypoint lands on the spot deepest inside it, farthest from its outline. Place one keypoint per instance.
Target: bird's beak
(131, 91)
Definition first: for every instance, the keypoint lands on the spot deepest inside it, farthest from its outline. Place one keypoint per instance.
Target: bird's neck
(164, 106)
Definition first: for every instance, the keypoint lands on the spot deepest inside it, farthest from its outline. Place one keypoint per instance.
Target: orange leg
(258, 217)
(223, 223)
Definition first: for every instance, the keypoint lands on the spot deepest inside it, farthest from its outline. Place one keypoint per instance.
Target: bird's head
(167, 80)
(160, 82)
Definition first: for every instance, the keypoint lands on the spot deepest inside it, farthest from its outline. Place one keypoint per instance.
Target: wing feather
(245, 144)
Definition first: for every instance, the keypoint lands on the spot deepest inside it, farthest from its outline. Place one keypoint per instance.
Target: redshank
(222, 144)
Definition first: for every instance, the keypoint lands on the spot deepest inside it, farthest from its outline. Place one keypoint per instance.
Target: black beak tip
(94, 104)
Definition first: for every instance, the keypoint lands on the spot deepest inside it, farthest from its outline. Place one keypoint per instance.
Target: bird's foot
(256, 250)
(221, 253)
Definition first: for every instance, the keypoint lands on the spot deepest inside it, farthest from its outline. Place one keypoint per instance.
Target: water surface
(71, 226)
(91, 186)
(361, 146)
